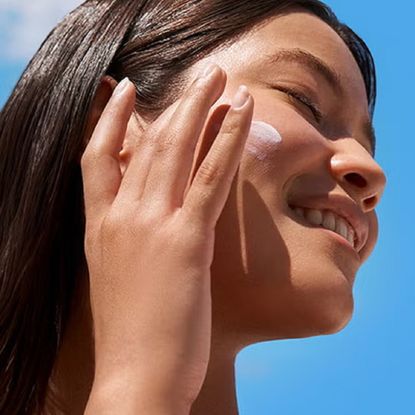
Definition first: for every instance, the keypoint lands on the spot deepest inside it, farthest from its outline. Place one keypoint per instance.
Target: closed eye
(305, 100)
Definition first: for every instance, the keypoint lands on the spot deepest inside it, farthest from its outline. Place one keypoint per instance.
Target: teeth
(328, 220)
(315, 217)
(299, 211)
(342, 228)
(350, 237)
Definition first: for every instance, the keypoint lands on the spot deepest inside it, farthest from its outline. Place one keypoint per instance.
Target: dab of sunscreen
(263, 138)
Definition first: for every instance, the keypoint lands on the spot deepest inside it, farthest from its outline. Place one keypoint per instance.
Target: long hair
(42, 126)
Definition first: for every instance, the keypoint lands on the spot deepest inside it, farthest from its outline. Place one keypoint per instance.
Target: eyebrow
(329, 74)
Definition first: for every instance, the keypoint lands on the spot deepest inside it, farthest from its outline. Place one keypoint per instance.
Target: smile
(329, 220)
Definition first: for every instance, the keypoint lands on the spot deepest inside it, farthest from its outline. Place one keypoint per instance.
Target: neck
(218, 393)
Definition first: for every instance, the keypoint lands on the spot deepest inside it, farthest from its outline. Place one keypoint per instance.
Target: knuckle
(163, 145)
(196, 94)
(143, 218)
(201, 87)
(146, 221)
(89, 157)
(200, 94)
(109, 227)
(231, 126)
(85, 159)
(150, 218)
(115, 222)
(191, 241)
(194, 234)
(162, 141)
(208, 174)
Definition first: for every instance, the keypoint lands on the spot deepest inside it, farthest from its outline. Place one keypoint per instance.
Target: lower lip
(344, 242)
(340, 239)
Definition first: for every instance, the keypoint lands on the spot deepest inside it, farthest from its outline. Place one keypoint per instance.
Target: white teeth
(329, 221)
(350, 237)
(342, 228)
(299, 211)
(315, 217)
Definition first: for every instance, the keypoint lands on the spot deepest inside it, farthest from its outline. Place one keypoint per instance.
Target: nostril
(370, 203)
(356, 179)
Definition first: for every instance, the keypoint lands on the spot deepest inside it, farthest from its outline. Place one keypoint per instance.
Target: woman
(211, 221)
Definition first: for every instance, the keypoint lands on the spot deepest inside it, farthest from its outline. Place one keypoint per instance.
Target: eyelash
(304, 99)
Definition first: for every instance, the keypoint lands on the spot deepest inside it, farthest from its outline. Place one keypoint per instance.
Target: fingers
(210, 188)
(132, 140)
(173, 156)
(99, 163)
(160, 167)
(212, 128)
(135, 175)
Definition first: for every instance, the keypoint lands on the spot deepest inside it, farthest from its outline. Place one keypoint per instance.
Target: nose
(359, 174)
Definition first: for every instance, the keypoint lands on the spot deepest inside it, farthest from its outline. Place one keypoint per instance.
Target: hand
(149, 243)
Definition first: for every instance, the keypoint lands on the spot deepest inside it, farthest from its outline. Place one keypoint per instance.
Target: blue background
(368, 368)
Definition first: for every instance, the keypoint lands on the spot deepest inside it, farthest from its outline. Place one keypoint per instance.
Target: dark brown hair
(41, 140)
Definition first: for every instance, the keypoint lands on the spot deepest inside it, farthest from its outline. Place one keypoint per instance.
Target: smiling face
(299, 221)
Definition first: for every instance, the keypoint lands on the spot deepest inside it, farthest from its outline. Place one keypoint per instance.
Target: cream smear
(262, 139)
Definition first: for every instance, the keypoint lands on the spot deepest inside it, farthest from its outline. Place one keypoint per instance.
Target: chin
(332, 314)
(324, 306)
(305, 293)
(292, 311)
(306, 304)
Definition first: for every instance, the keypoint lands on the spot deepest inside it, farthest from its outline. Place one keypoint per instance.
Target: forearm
(120, 406)
(125, 398)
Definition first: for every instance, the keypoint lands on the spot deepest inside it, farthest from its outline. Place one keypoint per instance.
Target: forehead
(301, 30)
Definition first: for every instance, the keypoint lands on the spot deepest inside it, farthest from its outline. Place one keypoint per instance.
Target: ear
(136, 125)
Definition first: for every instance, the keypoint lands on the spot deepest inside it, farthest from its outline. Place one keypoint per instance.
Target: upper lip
(343, 207)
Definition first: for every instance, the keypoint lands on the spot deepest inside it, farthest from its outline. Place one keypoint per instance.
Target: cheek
(285, 140)
(263, 140)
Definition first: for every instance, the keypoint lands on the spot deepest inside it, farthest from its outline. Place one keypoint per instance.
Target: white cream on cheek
(263, 138)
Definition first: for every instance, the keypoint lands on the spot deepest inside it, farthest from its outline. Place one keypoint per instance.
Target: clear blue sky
(369, 367)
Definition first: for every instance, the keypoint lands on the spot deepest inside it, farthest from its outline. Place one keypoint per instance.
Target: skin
(272, 277)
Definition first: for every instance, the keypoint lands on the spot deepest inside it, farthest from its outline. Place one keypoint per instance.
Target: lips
(338, 214)
(329, 220)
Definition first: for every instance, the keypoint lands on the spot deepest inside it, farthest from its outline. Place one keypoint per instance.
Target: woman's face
(280, 272)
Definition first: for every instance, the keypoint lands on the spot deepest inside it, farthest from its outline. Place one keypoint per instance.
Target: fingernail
(121, 86)
(241, 97)
(207, 71)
